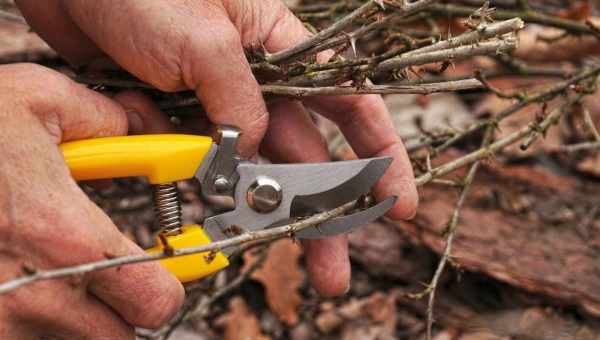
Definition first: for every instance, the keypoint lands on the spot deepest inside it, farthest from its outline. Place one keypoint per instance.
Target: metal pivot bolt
(221, 184)
(264, 195)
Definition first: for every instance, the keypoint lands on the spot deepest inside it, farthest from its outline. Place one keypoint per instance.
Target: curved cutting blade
(327, 199)
(308, 188)
(344, 224)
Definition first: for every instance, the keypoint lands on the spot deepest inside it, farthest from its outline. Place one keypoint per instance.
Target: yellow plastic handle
(162, 159)
(191, 267)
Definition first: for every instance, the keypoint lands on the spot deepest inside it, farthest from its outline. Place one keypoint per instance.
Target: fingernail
(411, 216)
(347, 289)
(136, 124)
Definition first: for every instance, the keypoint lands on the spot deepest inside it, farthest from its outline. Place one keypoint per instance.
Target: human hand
(46, 221)
(199, 45)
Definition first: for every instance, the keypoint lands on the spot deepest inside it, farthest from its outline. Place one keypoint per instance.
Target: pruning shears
(264, 195)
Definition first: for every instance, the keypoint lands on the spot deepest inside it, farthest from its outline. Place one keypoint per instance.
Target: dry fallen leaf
(281, 276)
(373, 317)
(240, 323)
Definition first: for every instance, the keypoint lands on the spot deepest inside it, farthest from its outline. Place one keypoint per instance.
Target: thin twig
(492, 148)
(544, 95)
(586, 146)
(399, 12)
(589, 122)
(451, 231)
(484, 31)
(265, 234)
(296, 91)
(325, 34)
(498, 46)
(332, 77)
(452, 10)
(542, 128)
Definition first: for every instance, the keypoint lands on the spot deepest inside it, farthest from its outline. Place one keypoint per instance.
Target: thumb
(143, 294)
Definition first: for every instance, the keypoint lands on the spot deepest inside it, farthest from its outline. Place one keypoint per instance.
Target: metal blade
(324, 200)
(344, 224)
(315, 180)
(334, 183)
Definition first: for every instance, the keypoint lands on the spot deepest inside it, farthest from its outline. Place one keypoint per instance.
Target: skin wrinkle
(194, 46)
(161, 57)
(169, 77)
(51, 123)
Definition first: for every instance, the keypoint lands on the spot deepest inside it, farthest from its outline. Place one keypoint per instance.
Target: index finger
(235, 101)
(366, 123)
(182, 45)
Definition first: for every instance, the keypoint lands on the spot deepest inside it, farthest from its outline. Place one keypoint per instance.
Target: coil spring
(167, 206)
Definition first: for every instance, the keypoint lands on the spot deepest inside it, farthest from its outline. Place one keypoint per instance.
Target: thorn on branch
(506, 95)
(593, 27)
(168, 250)
(27, 269)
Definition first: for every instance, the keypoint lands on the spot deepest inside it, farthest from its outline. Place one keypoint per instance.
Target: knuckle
(198, 49)
(161, 64)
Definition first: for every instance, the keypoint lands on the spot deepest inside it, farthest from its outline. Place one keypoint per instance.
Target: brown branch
(494, 147)
(498, 46)
(482, 32)
(325, 34)
(587, 119)
(265, 234)
(499, 93)
(328, 78)
(301, 91)
(399, 12)
(577, 147)
(295, 91)
(451, 231)
(452, 10)
(544, 95)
